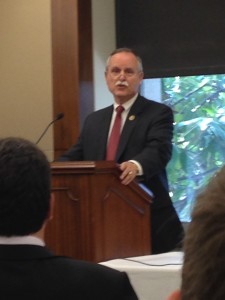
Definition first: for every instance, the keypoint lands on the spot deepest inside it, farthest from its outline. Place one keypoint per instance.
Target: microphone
(58, 117)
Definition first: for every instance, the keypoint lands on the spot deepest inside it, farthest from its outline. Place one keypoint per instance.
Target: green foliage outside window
(198, 103)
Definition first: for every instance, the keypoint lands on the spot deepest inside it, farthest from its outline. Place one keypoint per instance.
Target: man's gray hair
(128, 50)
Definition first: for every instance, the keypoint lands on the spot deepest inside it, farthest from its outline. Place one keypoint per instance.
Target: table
(153, 277)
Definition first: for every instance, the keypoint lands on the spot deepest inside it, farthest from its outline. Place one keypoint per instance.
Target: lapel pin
(131, 118)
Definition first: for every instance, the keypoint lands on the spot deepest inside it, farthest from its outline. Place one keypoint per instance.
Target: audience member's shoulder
(114, 284)
(84, 267)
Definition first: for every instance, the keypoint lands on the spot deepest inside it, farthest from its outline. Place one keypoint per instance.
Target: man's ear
(175, 295)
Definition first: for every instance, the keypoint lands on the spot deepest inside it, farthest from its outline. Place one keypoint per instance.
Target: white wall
(25, 70)
(104, 42)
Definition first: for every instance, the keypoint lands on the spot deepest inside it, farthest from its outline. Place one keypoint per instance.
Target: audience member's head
(24, 187)
(28, 269)
(204, 245)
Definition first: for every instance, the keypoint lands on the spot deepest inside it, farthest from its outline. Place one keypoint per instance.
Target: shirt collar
(21, 240)
(127, 105)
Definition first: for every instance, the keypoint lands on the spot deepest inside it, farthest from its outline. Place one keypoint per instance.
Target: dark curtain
(174, 37)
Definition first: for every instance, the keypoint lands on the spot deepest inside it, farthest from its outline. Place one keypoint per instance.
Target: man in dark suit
(28, 270)
(145, 144)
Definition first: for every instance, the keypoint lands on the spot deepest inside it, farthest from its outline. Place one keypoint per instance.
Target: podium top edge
(82, 165)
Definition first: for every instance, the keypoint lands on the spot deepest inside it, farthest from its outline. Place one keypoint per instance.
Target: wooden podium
(96, 218)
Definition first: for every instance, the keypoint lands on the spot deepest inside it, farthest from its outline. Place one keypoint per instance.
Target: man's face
(123, 76)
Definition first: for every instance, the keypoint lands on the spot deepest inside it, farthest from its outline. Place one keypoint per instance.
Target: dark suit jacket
(147, 138)
(32, 272)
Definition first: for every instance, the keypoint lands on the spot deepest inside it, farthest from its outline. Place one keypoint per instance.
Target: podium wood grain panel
(96, 218)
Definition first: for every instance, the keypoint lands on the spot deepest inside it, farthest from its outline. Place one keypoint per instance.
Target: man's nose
(122, 75)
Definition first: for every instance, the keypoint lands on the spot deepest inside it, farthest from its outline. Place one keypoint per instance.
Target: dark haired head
(24, 187)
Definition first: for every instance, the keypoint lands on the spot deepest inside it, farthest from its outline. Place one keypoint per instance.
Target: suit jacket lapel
(105, 123)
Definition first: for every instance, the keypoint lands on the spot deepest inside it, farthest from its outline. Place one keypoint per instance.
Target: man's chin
(122, 97)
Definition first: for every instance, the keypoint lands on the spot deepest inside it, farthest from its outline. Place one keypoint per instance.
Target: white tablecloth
(153, 277)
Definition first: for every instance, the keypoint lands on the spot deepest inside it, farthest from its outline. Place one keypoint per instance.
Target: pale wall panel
(26, 70)
(104, 42)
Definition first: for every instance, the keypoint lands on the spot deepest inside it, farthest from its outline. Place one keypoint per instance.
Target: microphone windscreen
(59, 116)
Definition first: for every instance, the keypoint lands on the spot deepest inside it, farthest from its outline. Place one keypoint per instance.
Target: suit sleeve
(75, 153)
(157, 147)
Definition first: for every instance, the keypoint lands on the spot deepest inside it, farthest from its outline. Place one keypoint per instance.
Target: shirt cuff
(139, 167)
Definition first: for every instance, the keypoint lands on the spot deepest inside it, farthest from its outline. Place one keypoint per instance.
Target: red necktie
(115, 135)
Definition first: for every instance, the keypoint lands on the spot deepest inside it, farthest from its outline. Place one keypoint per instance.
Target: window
(198, 103)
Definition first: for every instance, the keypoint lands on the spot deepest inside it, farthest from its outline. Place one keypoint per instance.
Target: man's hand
(129, 172)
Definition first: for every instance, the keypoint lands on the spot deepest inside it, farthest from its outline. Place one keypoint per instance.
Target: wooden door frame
(72, 69)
